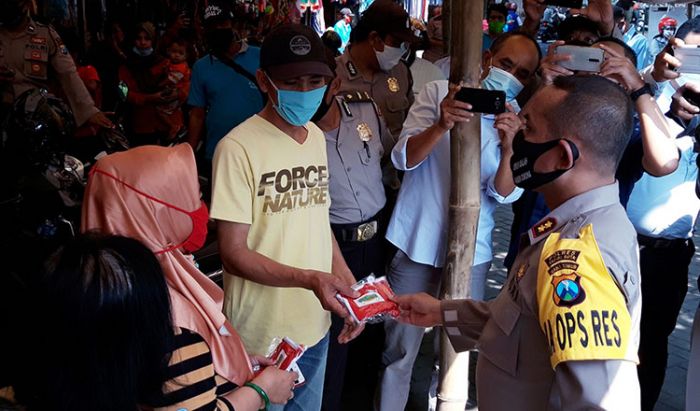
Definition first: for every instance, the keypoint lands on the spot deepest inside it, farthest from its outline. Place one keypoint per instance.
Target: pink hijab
(127, 195)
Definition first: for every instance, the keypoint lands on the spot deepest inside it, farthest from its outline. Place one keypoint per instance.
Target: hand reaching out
(420, 309)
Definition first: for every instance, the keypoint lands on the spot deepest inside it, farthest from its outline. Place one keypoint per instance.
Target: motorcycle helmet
(667, 22)
(39, 128)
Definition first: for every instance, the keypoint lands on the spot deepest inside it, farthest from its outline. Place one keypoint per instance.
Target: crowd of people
(312, 160)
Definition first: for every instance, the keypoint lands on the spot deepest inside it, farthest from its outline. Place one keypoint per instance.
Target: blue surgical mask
(499, 79)
(298, 107)
(143, 52)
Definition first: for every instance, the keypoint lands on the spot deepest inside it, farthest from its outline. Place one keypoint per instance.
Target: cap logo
(300, 45)
(212, 11)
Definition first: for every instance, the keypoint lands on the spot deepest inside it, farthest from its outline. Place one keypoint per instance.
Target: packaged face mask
(374, 304)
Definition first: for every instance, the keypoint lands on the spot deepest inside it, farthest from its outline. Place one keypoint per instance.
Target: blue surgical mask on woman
(143, 52)
(298, 107)
(499, 79)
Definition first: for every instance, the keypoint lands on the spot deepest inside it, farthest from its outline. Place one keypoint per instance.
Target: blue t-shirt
(228, 97)
(343, 29)
(486, 42)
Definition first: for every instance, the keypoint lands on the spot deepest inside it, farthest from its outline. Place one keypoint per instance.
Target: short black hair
(629, 52)
(180, 41)
(498, 8)
(503, 38)
(618, 13)
(106, 305)
(573, 24)
(331, 40)
(690, 26)
(599, 113)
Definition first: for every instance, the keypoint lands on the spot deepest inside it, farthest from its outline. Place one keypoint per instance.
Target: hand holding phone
(483, 101)
(453, 110)
(689, 57)
(582, 58)
(685, 103)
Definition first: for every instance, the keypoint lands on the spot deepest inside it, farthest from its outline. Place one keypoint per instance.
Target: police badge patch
(364, 131)
(393, 84)
(567, 290)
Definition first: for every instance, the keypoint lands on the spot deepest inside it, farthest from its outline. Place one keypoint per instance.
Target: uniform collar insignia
(583, 203)
(539, 230)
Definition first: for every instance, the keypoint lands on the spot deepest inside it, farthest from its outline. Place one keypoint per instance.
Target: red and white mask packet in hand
(374, 304)
(285, 353)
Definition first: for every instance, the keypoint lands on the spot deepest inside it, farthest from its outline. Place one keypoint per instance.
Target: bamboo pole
(465, 158)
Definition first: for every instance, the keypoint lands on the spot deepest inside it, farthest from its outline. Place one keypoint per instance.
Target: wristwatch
(645, 89)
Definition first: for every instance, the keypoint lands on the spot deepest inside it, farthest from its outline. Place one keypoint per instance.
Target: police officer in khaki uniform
(564, 331)
(32, 55)
(372, 63)
(358, 143)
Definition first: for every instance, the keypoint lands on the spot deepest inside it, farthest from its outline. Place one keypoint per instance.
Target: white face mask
(499, 79)
(390, 57)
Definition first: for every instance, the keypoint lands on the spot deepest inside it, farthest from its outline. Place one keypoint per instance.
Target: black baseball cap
(217, 11)
(293, 50)
(387, 17)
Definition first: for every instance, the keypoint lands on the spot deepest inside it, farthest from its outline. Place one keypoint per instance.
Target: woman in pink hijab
(152, 194)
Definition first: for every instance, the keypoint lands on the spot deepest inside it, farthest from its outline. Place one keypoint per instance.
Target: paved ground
(673, 394)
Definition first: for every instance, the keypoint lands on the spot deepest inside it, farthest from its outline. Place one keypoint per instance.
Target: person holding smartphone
(418, 226)
(542, 341)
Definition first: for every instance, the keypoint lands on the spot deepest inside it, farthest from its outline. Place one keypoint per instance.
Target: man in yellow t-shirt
(271, 201)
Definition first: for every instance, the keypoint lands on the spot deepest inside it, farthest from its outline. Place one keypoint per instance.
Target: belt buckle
(366, 231)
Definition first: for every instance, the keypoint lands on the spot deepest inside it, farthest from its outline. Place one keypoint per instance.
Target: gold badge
(521, 272)
(364, 132)
(393, 84)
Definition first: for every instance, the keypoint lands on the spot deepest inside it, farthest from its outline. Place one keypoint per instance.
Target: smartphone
(483, 101)
(572, 4)
(689, 56)
(122, 91)
(582, 58)
(692, 97)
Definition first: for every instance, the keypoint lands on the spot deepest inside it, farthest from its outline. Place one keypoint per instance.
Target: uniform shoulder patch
(543, 227)
(357, 97)
(581, 310)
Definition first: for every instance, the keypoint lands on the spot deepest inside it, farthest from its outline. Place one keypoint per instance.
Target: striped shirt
(192, 384)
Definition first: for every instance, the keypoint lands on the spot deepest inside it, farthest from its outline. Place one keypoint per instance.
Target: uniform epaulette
(357, 97)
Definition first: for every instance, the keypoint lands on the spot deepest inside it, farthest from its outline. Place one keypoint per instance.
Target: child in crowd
(176, 81)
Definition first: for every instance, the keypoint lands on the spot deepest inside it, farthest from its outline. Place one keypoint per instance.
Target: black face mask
(525, 154)
(324, 107)
(219, 40)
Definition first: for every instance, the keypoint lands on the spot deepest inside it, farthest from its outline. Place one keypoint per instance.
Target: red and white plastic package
(374, 304)
(285, 353)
